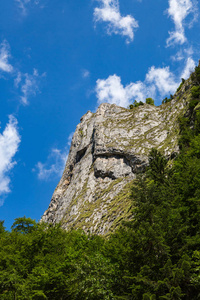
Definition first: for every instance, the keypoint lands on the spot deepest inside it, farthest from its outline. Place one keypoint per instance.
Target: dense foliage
(149, 101)
(155, 255)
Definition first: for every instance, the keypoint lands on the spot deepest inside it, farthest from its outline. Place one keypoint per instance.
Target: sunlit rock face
(108, 149)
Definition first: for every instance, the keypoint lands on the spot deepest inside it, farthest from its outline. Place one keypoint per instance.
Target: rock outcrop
(108, 148)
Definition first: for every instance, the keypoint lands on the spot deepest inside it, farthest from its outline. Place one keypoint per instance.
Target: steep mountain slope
(108, 148)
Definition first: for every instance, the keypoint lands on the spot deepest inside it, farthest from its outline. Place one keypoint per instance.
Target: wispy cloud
(183, 54)
(178, 11)
(190, 65)
(24, 4)
(109, 12)
(159, 82)
(55, 163)
(85, 73)
(9, 144)
(54, 166)
(28, 84)
(18, 79)
(5, 66)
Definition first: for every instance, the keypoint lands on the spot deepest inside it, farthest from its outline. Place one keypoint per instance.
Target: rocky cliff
(108, 148)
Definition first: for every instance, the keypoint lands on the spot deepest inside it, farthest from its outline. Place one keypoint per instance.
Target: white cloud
(178, 11)
(159, 82)
(112, 91)
(54, 165)
(162, 79)
(4, 56)
(109, 12)
(176, 37)
(9, 144)
(182, 54)
(190, 65)
(28, 84)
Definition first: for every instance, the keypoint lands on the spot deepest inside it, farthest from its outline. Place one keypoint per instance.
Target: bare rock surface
(108, 148)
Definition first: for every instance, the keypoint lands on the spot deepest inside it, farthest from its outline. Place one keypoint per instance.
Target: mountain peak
(108, 149)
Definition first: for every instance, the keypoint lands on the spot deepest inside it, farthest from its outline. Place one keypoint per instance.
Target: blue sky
(59, 59)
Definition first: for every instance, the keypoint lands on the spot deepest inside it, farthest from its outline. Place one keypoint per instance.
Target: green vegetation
(180, 86)
(149, 101)
(135, 104)
(49, 263)
(197, 73)
(195, 90)
(166, 100)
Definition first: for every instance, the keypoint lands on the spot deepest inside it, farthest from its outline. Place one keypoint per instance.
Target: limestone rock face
(108, 148)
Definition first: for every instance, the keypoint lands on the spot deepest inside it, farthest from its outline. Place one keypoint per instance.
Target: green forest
(154, 255)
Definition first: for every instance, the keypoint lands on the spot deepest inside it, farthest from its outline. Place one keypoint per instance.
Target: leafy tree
(157, 165)
(149, 101)
(24, 225)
